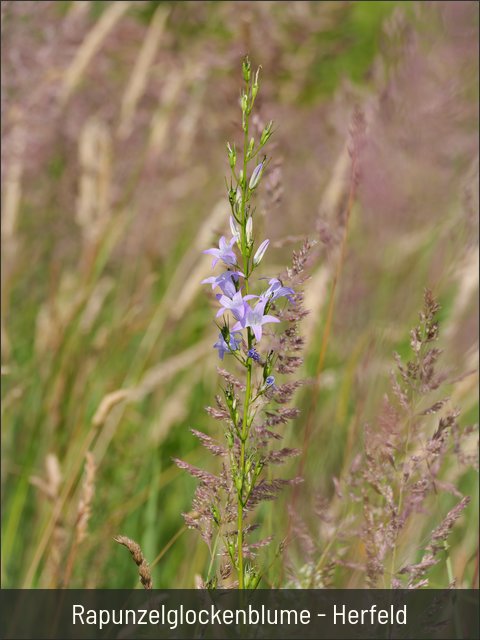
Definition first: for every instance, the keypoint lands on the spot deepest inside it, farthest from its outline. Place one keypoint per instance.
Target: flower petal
(268, 318)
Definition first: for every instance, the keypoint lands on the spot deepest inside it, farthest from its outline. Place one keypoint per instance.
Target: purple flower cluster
(222, 503)
(233, 300)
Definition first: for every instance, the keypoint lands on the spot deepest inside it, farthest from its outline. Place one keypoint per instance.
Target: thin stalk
(212, 556)
(240, 506)
(400, 497)
(451, 585)
(169, 544)
(448, 562)
(244, 433)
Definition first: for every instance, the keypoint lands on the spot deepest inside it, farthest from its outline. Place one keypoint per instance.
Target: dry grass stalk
(83, 514)
(94, 190)
(106, 405)
(48, 532)
(162, 117)
(12, 187)
(139, 77)
(85, 503)
(95, 303)
(139, 559)
(91, 45)
(50, 487)
(12, 195)
(175, 406)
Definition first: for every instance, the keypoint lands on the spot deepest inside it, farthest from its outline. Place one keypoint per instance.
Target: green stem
(243, 212)
(243, 439)
(212, 556)
(451, 585)
(448, 561)
(248, 390)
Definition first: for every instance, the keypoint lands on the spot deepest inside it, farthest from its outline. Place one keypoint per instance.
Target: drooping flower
(255, 319)
(277, 290)
(234, 342)
(224, 252)
(260, 252)
(225, 281)
(237, 305)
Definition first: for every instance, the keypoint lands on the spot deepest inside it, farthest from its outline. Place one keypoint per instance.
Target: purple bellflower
(225, 282)
(255, 319)
(277, 290)
(234, 342)
(237, 305)
(224, 252)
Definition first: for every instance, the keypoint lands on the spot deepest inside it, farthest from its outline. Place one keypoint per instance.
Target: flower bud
(244, 102)
(250, 147)
(255, 84)
(246, 68)
(249, 230)
(260, 252)
(266, 133)
(232, 155)
(256, 175)
(232, 196)
(267, 367)
(254, 355)
(235, 230)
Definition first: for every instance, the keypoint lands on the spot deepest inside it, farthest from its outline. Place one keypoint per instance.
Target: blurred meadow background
(115, 117)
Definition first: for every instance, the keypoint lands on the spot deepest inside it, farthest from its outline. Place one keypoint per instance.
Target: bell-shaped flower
(225, 281)
(277, 290)
(255, 319)
(224, 252)
(234, 342)
(238, 305)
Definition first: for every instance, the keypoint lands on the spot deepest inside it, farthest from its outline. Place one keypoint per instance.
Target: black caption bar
(273, 614)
